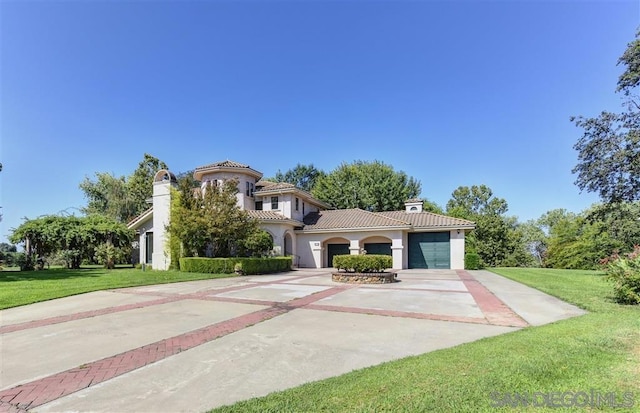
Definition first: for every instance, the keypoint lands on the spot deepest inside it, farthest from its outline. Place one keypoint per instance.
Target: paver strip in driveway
(279, 295)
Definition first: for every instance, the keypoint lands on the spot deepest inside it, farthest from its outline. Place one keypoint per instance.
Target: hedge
(472, 261)
(362, 263)
(228, 265)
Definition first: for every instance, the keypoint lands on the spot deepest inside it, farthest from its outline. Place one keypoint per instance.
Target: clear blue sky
(452, 93)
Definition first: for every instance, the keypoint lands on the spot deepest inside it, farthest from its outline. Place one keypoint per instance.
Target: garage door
(336, 249)
(429, 250)
(382, 248)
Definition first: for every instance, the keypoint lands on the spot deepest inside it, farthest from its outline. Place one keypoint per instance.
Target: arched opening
(377, 245)
(335, 246)
(288, 244)
(164, 175)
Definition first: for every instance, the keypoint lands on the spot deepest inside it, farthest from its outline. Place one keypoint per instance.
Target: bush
(228, 265)
(362, 263)
(624, 273)
(472, 261)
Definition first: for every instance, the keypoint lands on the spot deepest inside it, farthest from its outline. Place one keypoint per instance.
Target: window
(252, 190)
(303, 208)
(247, 191)
(258, 205)
(297, 204)
(274, 202)
(148, 244)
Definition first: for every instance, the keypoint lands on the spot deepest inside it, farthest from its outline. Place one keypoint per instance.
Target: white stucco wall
(278, 232)
(161, 209)
(312, 248)
(244, 201)
(456, 244)
(143, 227)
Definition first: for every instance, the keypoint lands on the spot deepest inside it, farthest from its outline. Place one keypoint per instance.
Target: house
(308, 229)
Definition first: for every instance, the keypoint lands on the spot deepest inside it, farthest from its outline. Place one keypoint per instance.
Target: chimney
(413, 205)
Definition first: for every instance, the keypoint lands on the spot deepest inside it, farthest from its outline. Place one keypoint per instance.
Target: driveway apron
(193, 346)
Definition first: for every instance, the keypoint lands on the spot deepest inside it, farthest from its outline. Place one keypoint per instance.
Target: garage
(336, 249)
(429, 250)
(381, 248)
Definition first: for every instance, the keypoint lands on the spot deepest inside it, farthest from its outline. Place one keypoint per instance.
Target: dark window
(303, 208)
(252, 189)
(247, 192)
(297, 204)
(274, 202)
(148, 244)
(258, 205)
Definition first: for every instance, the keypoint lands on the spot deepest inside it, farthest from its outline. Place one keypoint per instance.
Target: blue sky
(452, 93)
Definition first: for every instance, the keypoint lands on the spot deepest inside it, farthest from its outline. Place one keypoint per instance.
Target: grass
(27, 287)
(598, 352)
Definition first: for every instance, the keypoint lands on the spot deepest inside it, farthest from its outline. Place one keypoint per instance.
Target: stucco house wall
(297, 233)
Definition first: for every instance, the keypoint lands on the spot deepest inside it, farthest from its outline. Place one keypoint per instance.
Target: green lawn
(20, 288)
(598, 354)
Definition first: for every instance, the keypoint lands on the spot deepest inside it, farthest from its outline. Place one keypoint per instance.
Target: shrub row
(362, 263)
(472, 261)
(229, 265)
(624, 272)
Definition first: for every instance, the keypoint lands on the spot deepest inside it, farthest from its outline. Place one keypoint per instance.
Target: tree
(372, 186)
(76, 238)
(209, 223)
(302, 176)
(430, 206)
(609, 149)
(496, 238)
(122, 198)
(467, 202)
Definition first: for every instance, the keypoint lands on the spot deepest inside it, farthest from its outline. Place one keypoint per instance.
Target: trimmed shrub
(624, 273)
(362, 263)
(228, 265)
(472, 261)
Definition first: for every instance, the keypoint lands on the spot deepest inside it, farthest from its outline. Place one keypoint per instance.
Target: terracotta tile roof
(274, 186)
(271, 216)
(264, 183)
(350, 219)
(428, 219)
(224, 164)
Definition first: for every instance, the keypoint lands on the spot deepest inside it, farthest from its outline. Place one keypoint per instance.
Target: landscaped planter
(364, 277)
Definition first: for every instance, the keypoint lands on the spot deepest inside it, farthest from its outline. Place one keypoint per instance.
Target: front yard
(555, 366)
(27, 287)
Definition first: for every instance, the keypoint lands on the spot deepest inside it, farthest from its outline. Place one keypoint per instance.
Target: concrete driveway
(192, 346)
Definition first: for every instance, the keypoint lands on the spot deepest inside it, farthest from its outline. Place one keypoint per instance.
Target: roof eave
(353, 229)
(198, 173)
(133, 224)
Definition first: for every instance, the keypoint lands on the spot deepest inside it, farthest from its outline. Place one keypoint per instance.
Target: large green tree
(609, 149)
(121, 198)
(496, 239)
(302, 176)
(372, 186)
(210, 223)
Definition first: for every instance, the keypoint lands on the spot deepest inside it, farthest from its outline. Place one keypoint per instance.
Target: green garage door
(336, 249)
(382, 248)
(429, 250)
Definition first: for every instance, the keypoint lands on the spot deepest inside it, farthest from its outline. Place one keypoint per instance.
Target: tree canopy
(302, 176)
(121, 198)
(372, 186)
(210, 223)
(497, 239)
(609, 149)
(77, 238)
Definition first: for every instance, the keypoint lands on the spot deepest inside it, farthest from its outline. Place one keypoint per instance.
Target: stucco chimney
(413, 205)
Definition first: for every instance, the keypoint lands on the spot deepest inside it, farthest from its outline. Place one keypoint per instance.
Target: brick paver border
(496, 311)
(41, 391)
